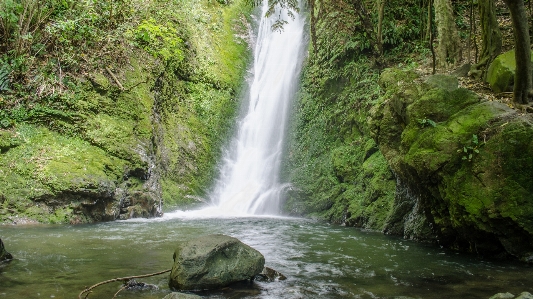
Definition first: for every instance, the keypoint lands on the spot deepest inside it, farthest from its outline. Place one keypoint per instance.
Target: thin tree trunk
(449, 49)
(522, 84)
(492, 38)
(381, 12)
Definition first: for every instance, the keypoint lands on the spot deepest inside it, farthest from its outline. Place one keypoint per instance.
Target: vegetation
(123, 101)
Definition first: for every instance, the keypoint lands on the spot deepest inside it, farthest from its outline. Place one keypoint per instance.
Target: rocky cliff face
(132, 134)
(463, 165)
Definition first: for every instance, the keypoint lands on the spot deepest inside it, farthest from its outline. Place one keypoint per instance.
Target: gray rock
(525, 295)
(502, 296)
(176, 295)
(4, 255)
(212, 262)
(448, 83)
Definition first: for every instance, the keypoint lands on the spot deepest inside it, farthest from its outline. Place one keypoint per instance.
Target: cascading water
(249, 178)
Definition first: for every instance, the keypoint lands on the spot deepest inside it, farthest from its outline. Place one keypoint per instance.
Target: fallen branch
(114, 78)
(122, 288)
(88, 290)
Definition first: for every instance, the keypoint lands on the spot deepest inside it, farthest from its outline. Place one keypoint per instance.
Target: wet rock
(269, 274)
(4, 255)
(212, 262)
(525, 295)
(502, 296)
(176, 295)
(133, 285)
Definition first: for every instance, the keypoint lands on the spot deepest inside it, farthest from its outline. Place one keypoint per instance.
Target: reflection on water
(319, 260)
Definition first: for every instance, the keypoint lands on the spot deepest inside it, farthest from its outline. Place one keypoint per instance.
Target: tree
(449, 49)
(522, 81)
(492, 38)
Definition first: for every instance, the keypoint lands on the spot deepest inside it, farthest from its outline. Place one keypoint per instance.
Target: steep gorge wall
(406, 155)
(139, 132)
(335, 167)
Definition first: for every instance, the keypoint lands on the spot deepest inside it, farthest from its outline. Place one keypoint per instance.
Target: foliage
(426, 122)
(142, 93)
(468, 151)
(161, 41)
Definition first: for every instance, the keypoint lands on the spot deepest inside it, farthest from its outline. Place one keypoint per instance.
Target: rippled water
(320, 261)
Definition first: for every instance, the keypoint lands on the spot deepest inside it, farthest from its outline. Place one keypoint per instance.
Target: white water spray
(249, 177)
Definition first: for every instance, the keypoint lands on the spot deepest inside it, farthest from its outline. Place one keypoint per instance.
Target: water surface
(320, 261)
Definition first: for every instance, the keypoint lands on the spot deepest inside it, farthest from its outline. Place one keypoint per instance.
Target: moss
(8, 140)
(500, 74)
(439, 104)
(374, 197)
(469, 175)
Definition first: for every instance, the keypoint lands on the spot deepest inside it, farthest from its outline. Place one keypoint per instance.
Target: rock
(133, 285)
(501, 72)
(176, 295)
(4, 255)
(269, 274)
(502, 296)
(464, 182)
(525, 295)
(213, 261)
(462, 71)
(445, 82)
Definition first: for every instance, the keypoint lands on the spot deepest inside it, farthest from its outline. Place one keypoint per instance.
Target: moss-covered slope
(336, 170)
(129, 131)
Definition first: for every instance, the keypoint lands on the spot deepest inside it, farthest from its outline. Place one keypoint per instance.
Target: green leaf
(474, 139)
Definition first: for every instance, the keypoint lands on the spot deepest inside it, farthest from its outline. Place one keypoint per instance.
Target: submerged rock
(269, 274)
(4, 255)
(502, 296)
(525, 295)
(133, 285)
(176, 295)
(212, 262)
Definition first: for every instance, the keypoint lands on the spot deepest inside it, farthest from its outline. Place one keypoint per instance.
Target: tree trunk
(449, 49)
(381, 12)
(522, 79)
(492, 38)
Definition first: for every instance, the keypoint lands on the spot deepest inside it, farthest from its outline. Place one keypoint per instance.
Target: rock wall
(134, 134)
(409, 156)
(465, 164)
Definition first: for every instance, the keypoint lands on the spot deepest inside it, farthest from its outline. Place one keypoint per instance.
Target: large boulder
(501, 72)
(4, 255)
(463, 165)
(213, 261)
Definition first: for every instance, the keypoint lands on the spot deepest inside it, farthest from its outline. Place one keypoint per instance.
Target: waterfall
(249, 182)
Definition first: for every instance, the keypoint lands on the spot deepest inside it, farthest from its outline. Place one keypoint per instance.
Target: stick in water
(88, 290)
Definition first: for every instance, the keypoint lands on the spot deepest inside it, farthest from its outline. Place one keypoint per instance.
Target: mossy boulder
(501, 72)
(213, 261)
(467, 177)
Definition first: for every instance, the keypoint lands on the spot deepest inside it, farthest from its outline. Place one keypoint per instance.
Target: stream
(319, 260)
